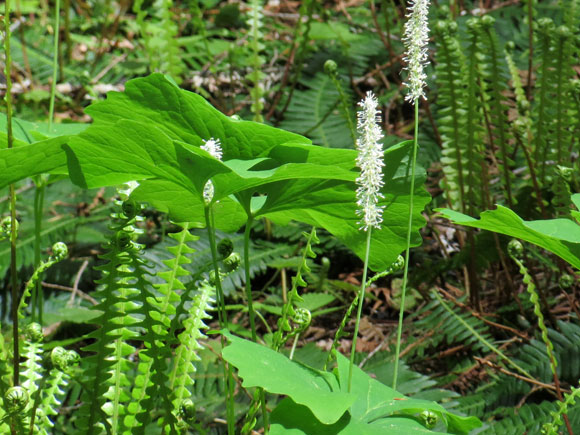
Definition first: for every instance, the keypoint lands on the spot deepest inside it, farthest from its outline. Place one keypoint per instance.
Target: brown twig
(515, 375)
(481, 317)
(81, 294)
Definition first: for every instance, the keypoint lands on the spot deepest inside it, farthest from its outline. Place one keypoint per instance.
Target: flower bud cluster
(213, 147)
(416, 38)
(370, 162)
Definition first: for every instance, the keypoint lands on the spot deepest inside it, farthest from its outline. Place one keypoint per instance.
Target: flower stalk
(415, 40)
(370, 182)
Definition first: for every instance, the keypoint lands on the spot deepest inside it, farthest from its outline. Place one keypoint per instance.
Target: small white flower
(370, 162)
(213, 147)
(416, 38)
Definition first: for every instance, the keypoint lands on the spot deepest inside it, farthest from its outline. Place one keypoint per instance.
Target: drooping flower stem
(359, 309)
(406, 270)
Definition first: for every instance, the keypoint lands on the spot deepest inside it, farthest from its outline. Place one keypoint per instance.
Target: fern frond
(315, 112)
(60, 251)
(55, 386)
(476, 171)
(493, 84)
(159, 34)
(553, 108)
(528, 418)
(182, 373)
(104, 370)
(570, 399)
(161, 317)
(285, 330)
(515, 250)
(452, 97)
(256, 77)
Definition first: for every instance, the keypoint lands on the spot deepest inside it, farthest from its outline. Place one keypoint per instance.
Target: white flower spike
(213, 147)
(416, 39)
(370, 162)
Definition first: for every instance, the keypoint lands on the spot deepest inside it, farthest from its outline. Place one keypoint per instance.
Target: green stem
(291, 356)
(222, 315)
(359, 309)
(36, 301)
(54, 65)
(251, 312)
(13, 268)
(344, 105)
(409, 227)
(265, 419)
(248, 280)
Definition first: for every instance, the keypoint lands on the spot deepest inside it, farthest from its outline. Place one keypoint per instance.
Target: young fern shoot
(370, 181)
(416, 38)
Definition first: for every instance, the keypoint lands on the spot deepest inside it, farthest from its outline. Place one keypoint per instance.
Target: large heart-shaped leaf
(186, 117)
(153, 132)
(332, 206)
(260, 366)
(25, 161)
(560, 236)
(376, 401)
(37, 149)
(318, 401)
(26, 132)
(289, 418)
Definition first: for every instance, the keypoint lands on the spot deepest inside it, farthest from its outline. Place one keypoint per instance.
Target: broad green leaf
(576, 200)
(153, 131)
(332, 205)
(184, 206)
(126, 151)
(186, 117)
(319, 400)
(560, 236)
(26, 132)
(25, 161)
(260, 366)
(36, 149)
(332, 30)
(291, 418)
(314, 301)
(376, 401)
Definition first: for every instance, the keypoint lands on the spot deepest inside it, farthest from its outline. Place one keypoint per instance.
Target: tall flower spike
(370, 162)
(213, 147)
(416, 38)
